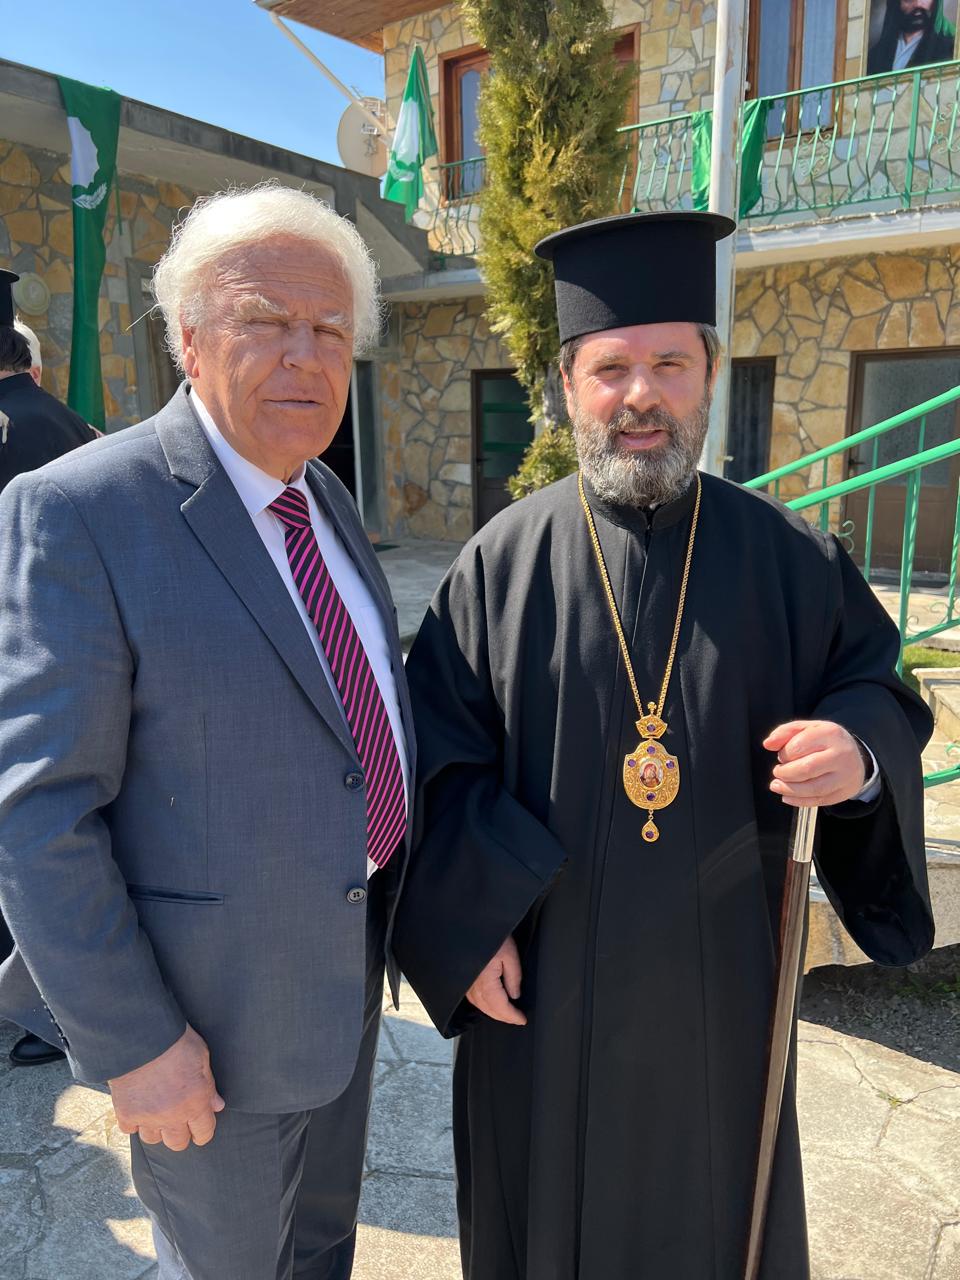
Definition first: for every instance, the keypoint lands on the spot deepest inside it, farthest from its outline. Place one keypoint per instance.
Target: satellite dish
(361, 149)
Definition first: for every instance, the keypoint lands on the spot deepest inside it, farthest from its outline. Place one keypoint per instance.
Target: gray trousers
(271, 1197)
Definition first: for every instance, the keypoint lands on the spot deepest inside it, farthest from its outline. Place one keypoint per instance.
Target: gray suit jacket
(180, 827)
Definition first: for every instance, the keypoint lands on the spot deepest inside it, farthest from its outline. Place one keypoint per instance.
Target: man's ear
(188, 350)
(568, 393)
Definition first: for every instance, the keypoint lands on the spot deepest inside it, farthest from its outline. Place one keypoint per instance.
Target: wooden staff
(792, 917)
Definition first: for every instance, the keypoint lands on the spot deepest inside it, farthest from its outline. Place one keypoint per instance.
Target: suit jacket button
(353, 781)
(356, 895)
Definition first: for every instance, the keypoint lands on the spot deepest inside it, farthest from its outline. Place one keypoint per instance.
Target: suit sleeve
(872, 857)
(480, 860)
(66, 676)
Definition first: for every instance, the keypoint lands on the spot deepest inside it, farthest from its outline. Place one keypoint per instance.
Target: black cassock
(39, 427)
(615, 1135)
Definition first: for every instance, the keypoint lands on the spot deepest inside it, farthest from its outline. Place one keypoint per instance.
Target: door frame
(858, 360)
(476, 440)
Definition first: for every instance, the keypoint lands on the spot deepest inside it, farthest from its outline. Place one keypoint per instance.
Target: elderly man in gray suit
(206, 753)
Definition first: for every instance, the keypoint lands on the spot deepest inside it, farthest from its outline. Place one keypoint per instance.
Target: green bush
(551, 456)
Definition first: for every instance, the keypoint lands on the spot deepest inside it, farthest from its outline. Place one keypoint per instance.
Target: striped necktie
(363, 704)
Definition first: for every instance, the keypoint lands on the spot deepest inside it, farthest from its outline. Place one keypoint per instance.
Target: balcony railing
(889, 139)
(455, 221)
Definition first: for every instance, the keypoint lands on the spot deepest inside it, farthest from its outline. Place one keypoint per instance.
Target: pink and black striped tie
(362, 702)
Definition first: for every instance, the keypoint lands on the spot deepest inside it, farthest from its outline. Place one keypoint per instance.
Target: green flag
(753, 133)
(93, 118)
(414, 140)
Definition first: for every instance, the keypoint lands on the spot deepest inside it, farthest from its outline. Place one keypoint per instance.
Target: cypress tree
(549, 114)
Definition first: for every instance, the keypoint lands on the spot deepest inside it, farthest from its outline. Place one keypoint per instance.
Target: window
(461, 76)
(627, 51)
(810, 55)
(751, 414)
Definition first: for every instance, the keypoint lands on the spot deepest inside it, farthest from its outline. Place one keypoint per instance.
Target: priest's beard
(642, 478)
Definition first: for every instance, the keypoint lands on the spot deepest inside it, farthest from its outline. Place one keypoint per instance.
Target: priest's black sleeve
(872, 858)
(480, 859)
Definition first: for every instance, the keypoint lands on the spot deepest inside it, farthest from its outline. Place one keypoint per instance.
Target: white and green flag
(414, 140)
(93, 118)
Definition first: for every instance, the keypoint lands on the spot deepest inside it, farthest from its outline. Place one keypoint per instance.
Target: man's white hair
(36, 359)
(186, 274)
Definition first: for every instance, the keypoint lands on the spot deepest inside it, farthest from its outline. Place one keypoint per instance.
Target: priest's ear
(568, 354)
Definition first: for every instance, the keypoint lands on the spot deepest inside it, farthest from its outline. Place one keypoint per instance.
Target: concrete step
(829, 943)
(940, 689)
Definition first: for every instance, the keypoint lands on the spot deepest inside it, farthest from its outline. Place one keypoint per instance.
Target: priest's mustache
(629, 420)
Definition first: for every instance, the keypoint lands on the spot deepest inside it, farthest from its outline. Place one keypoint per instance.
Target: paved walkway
(879, 1130)
(880, 1134)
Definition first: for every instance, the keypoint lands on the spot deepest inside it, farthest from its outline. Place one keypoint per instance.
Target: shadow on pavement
(915, 1010)
(67, 1206)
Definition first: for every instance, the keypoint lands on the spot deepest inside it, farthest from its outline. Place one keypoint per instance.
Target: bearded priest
(623, 689)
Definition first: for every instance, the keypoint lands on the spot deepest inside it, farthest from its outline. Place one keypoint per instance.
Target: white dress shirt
(257, 490)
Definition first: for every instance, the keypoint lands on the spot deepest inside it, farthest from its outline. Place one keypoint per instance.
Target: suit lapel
(222, 525)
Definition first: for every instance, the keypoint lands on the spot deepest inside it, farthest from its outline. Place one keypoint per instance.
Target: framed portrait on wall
(904, 34)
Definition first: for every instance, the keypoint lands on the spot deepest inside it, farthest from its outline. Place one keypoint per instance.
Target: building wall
(36, 235)
(814, 316)
(425, 402)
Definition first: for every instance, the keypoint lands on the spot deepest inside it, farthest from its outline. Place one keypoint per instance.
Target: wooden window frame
(795, 63)
(452, 67)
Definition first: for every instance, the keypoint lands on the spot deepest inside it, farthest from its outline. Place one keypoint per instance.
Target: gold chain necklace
(651, 777)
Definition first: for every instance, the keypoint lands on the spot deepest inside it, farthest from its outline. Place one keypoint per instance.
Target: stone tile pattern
(36, 235)
(882, 1166)
(814, 315)
(425, 398)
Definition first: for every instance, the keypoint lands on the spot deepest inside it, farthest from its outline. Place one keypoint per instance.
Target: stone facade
(36, 235)
(813, 316)
(426, 411)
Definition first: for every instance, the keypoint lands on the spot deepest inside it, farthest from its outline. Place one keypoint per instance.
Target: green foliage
(549, 115)
(551, 456)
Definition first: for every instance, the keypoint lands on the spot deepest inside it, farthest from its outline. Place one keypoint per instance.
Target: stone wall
(425, 403)
(36, 235)
(813, 316)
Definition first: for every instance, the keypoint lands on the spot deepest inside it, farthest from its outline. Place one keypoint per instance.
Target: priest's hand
(820, 763)
(498, 984)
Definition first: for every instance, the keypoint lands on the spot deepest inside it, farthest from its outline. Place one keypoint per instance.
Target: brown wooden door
(886, 384)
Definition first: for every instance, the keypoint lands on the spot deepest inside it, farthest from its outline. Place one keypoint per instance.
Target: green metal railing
(908, 471)
(892, 138)
(455, 222)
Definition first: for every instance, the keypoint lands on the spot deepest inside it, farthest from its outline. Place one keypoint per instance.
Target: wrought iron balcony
(454, 224)
(890, 139)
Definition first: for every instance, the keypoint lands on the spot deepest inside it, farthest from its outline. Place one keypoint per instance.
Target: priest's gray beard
(640, 478)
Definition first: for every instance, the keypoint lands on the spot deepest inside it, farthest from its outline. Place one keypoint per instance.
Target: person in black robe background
(606, 1116)
(34, 428)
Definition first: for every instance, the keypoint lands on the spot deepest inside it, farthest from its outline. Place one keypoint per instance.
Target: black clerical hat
(7, 280)
(635, 268)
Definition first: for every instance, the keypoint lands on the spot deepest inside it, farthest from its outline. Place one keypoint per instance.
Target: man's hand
(172, 1099)
(498, 984)
(820, 763)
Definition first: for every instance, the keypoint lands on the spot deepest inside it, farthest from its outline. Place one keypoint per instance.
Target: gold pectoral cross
(651, 777)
